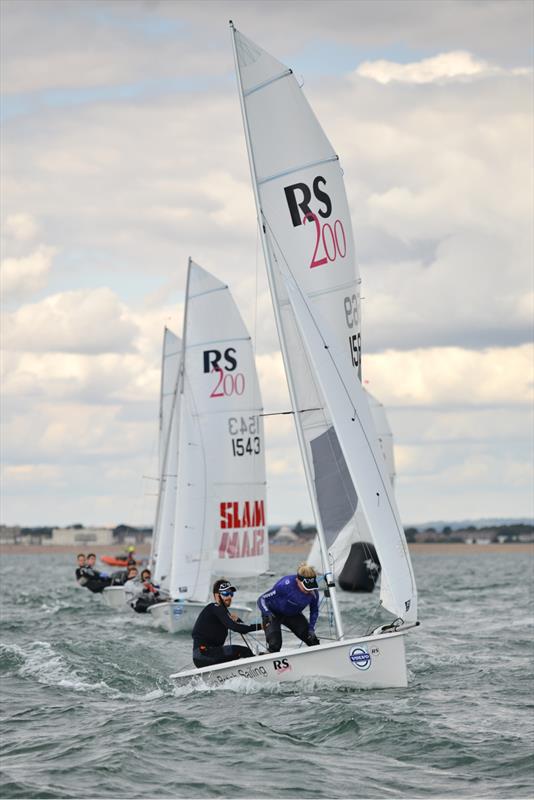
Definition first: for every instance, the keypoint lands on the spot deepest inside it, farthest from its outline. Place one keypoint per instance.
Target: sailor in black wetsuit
(212, 626)
(80, 558)
(91, 578)
(147, 594)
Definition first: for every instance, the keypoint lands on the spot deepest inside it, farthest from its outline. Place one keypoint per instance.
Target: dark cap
(222, 585)
(308, 583)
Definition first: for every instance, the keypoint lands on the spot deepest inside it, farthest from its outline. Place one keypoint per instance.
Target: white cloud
(452, 376)
(126, 379)
(456, 65)
(22, 227)
(83, 321)
(22, 277)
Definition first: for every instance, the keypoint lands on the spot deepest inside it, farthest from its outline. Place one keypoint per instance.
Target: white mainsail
(308, 243)
(358, 530)
(220, 524)
(169, 412)
(385, 435)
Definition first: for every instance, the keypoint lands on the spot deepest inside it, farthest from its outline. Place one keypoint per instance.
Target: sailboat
(169, 409)
(210, 517)
(352, 557)
(308, 246)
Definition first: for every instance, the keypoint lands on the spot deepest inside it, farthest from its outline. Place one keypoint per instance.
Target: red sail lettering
(233, 545)
(246, 521)
(257, 549)
(245, 547)
(223, 544)
(234, 516)
(258, 517)
(242, 514)
(224, 521)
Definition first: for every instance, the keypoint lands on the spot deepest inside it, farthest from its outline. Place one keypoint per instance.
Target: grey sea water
(88, 710)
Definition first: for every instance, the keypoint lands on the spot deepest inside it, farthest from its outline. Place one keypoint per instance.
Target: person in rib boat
(212, 626)
(284, 604)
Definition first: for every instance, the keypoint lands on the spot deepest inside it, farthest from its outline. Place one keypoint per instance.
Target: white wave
(241, 685)
(155, 694)
(53, 609)
(41, 661)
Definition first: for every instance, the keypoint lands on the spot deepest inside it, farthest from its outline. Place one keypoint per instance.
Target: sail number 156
(351, 318)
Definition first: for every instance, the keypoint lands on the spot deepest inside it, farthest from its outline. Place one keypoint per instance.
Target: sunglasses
(227, 594)
(309, 583)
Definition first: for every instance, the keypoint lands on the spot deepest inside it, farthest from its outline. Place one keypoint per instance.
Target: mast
(179, 390)
(181, 373)
(283, 348)
(155, 532)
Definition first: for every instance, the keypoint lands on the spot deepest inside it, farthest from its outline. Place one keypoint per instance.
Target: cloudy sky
(123, 154)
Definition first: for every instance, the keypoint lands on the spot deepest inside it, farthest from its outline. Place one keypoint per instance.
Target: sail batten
(218, 340)
(292, 170)
(263, 84)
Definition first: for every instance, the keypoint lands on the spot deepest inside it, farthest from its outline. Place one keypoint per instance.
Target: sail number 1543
(245, 435)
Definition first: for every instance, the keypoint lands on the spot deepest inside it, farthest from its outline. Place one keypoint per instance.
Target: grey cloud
(117, 43)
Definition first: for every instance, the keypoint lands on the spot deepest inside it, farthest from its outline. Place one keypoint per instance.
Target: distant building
(285, 536)
(9, 534)
(81, 536)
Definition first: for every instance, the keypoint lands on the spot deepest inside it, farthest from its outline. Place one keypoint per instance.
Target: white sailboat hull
(181, 615)
(114, 597)
(368, 662)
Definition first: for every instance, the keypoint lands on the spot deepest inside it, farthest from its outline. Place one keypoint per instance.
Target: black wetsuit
(119, 578)
(209, 635)
(94, 580)
(147, 598)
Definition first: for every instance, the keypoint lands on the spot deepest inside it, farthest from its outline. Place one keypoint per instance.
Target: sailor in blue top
(284, 604)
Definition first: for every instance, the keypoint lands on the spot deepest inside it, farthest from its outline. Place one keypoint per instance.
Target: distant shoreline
(143, 550)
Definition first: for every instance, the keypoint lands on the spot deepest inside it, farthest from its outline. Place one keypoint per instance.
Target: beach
(300, 549)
